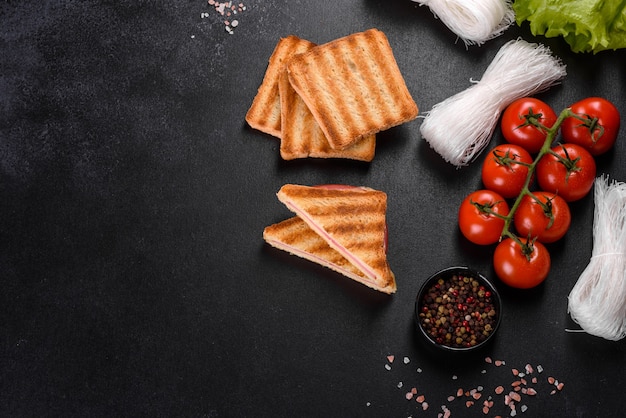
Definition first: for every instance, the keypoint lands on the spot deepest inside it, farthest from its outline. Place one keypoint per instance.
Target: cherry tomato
(517, 123)
(521, 266)
(570, 173)
(480, 216)
(502, 171)
(598, 130)
(546, 216)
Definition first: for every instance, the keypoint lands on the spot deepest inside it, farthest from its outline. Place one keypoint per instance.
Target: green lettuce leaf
(586, 25)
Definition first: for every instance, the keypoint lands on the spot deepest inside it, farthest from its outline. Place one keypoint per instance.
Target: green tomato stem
(545, 149)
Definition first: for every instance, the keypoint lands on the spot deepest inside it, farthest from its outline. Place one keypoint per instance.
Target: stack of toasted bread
(330, 100)
(340, 227)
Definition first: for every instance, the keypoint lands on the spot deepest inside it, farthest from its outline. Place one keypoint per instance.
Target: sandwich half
(342, 228)
(294, 236)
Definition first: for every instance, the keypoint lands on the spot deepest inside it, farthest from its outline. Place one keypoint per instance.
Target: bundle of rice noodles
(460, 127)
(597, 301)
(473, 21)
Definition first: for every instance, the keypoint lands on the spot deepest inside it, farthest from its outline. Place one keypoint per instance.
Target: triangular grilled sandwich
(342, 228)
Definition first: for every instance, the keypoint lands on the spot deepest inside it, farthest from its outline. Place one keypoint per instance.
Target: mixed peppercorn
(458, 311)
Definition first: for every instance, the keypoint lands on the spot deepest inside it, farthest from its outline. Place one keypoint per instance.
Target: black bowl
(458, 310)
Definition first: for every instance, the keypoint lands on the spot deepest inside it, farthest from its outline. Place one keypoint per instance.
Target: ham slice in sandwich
(340, 227)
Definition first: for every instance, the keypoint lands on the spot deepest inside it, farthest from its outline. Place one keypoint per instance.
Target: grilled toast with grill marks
(301, 135)
(350, 220)
(296, 237)
(353, 87)
(264, 113)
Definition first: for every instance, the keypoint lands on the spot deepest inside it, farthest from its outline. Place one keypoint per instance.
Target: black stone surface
(134, 280)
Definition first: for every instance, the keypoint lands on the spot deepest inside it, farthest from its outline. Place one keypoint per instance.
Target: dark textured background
(133, 276)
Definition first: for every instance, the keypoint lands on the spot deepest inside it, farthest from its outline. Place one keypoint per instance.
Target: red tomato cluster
(539, 178)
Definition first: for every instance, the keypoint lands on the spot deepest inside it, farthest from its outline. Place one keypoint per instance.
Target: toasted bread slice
(301, 135)
(294, 236)
(264, 113)
(352, 222)
(353, 87)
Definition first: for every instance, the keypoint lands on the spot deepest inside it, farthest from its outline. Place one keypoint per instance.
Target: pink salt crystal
(515, 396)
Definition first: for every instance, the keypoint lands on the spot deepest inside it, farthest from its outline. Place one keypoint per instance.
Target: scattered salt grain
(226, 9)
(519, 390)
(515, 396)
